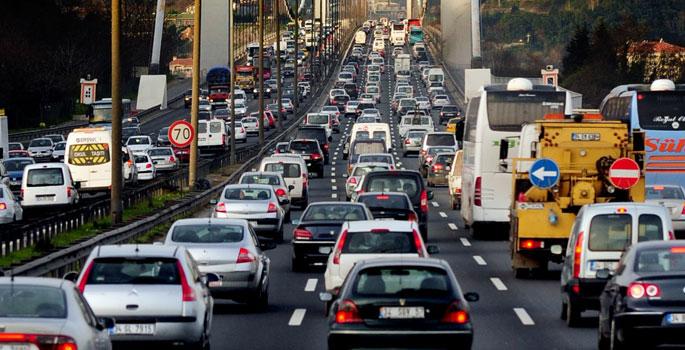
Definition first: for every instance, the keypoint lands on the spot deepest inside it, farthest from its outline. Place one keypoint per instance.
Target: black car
(448, 112)
(317, 133)
(188, 98)
(352, 90)
(407, 181)
(128, 132)
(163, 137)
(316, 231)
(266, 94)
(311, 152)
(643, 303)
(340, 101)
(400, 303)
(388, 205)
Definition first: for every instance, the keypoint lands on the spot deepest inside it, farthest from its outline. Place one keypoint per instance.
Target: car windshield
(60, 146)
(381, 201)
(134, 271)
(30, 301)
(328, 212)
(45, 177)
(138, 141)
(16, 164)
(249, 120)
(394, 183)
(330, 109)
(260, 179)
(160, 152)
(207, 233)
(666, 259)
(41, 143)
(375, 158)
(400, 281)
(664, 192)
(379, 242)
(287, 170)
(247, 194)
(15, 146)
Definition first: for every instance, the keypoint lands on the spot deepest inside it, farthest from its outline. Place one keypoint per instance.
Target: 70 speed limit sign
(181, 134)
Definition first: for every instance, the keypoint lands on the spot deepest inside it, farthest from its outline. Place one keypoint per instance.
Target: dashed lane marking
(311, 285)
(452, 226)
(334, 188)
(435, 204)
(334, 195)
(465, 242)
(297, 317)
(442, 213)
(479, 260)
(524, 316)
(332, 180)
(498, 283)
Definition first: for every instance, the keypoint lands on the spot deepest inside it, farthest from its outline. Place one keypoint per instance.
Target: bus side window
(471, 119)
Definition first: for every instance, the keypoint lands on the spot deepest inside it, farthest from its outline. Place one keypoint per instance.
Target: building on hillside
(659, 60)
(181, 67)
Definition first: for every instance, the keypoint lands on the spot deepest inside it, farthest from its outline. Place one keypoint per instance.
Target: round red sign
(624, 173)
(181, 133)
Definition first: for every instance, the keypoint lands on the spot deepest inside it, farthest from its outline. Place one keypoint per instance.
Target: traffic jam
(395, 216)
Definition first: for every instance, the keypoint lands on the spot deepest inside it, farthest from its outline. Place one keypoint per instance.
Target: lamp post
(195, 107)
(260, 20)
(116, 208)
(231, 60)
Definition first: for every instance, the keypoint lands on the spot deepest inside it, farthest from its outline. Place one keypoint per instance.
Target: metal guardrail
(59, 262)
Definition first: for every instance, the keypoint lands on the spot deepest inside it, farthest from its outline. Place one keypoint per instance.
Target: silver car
(153, 292)
(33, 306)
(230, 249)
(258, 204)
(58, 151)
(40, 148)
(276, 181)
(163, 158)
(10, 209)
(359, 170)
(412, 141)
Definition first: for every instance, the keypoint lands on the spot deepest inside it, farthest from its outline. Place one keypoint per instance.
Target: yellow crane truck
(584, 147)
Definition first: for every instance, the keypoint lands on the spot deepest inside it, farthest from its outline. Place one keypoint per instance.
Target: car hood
(39, 149)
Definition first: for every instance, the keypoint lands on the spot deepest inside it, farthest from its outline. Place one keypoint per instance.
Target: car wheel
(572, 314)
(614, 342)
(453, 203)
(261, 302)
(296, 265)
(477, 231)
(319, 173)
(279, 234)
(603, 340)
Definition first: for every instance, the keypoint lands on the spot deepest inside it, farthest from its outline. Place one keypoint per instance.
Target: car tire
(603, 341)
(572, 314)
(614, 342)
(279, 235)
(477, 231)
(296, 265)
(261, 302)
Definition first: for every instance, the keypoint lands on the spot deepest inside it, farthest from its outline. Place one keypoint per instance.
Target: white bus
(494, 113)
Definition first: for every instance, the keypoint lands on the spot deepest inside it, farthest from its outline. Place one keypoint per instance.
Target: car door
(264, 261)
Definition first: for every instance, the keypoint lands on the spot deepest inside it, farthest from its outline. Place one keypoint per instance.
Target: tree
(577, 51)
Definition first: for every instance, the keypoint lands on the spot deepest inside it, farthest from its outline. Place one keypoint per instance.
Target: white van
(212, 135)
(294, 171)
(413, 121)
(378, 45)
(320, 119)
(360, 38)
(493, 114)
(599, 236)
(88, 154)
(372, 131)
(436, 77)
(47, 184)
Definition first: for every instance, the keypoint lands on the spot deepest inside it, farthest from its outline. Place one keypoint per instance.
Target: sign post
(181, 134)
(88, 91)
(624, 173)
(544, 173)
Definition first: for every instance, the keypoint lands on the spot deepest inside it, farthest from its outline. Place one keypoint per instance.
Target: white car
(47, 184)
(139, 144)
(251, 125)
(163, 158)
(145, 166)
(360, 240)
(240, 109)
(58, 151)
(371, 113)
(40, 148)
(240, 132)
(385, 158)
(423, 103)
(10, 209)
(293, 168)
(359, 170)
(441, 100)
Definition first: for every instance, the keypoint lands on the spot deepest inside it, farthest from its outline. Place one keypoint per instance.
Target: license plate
(215, 284)
(585, 136)
(44, 199)
(402, 312)
(305, 157)
(15, 347)
(600, 265)
(675, 318)
(324, 250)
(131, 328)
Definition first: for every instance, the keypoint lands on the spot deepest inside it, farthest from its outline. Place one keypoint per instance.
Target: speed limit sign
(181, 134)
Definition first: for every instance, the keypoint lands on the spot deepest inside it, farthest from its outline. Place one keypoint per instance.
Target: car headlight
(268, 90)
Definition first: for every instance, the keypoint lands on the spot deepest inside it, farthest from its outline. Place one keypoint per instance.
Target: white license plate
(675, 318)
(15, 347)
(132, 328)
(44, 199)
(215, 284)
(324, 250)
(306, 157)
(402, 312)
(600, 265)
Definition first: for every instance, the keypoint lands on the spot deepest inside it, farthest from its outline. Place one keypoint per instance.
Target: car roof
(363, 164)
(392, 225)
(334, 203)
(255, 186)
(210, 221)
(632, 205)
(376, 154)
(133, 250)
(404, 261)
(658, 244)
(37, 281)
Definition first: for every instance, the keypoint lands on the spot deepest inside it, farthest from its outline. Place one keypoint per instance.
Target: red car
(270, 116)
(19, 153)
(183, 154)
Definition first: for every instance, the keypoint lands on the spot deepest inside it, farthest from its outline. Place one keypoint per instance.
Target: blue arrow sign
(544, 173)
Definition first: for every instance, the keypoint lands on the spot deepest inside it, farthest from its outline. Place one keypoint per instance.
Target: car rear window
(394, 183)
(160, 152)
(440, 140)
(649, 228)
(287, 170)
(368, 147)
(666, 259)
(389, 201)
(334, 212)
(444, 159)
(363, 170)
(379, 243)
(134, 271)
(317, 119)
(610, 232)
(202, 233)
(247, 194)
(306, 146)
(45, 177)
(401, 281)
(374, 158)
(318, 134)
(141, 159)
(272, 180)
(663, 192)
(16, 164)
(31, 301)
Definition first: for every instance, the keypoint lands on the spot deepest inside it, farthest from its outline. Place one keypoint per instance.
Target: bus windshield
(509, 110)
(664, 110)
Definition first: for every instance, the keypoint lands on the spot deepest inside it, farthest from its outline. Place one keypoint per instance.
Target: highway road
(511, 314)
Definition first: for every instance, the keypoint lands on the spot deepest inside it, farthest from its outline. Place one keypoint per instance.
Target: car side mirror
(285, 201)
(213, 201)
(433, 249)
(291, 187)
(209, 278)
(267, 244)
(471, 296)
(71, 276)
(105, 323)
(325, 297)
(77, 185)
(430, 195)
(295, 221)
(603, 274)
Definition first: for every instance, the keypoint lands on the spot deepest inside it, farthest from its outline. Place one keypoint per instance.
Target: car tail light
(671, 236)
(638, 290)
(148, 166)
(315, 156)
(303, 234)
(244, 256)
(41, 341)
(347, 313)
(418, 242)
(437, 167)
(280, 192)
(477, 192)
(172, 159)
(352, 180)
(188, 293)
(220, 207)
(69, 189)
(3, 206)
(339, 247)
(407, 142)
(454, 314)
(325, 147)
(531, 244)
(424, 201)
(84, 278)
(429, 159)
(242, 130)
(577, 250)
(271, 208)
(304, 179)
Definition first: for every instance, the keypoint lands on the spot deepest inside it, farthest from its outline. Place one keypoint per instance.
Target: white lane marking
(335, 158)
(435, 204)
(336, 153)
(333, 173)
(452, 226)
(498, 283)
(465, 242)
(403, 168)
(334, 195)
(524, 316)
(332, 180)
(442, 213)
(332, 163)
(334, 188)
(311, 285)
(479, 260)
(297, 317)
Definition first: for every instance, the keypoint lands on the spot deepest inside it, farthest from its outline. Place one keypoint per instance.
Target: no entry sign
(624, 173)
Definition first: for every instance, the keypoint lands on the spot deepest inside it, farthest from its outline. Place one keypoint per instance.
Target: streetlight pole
(296, 17)
(116, 208)
(261, 71)
(312, 48)
(231, 63)
(279, 77)
(195, 108)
